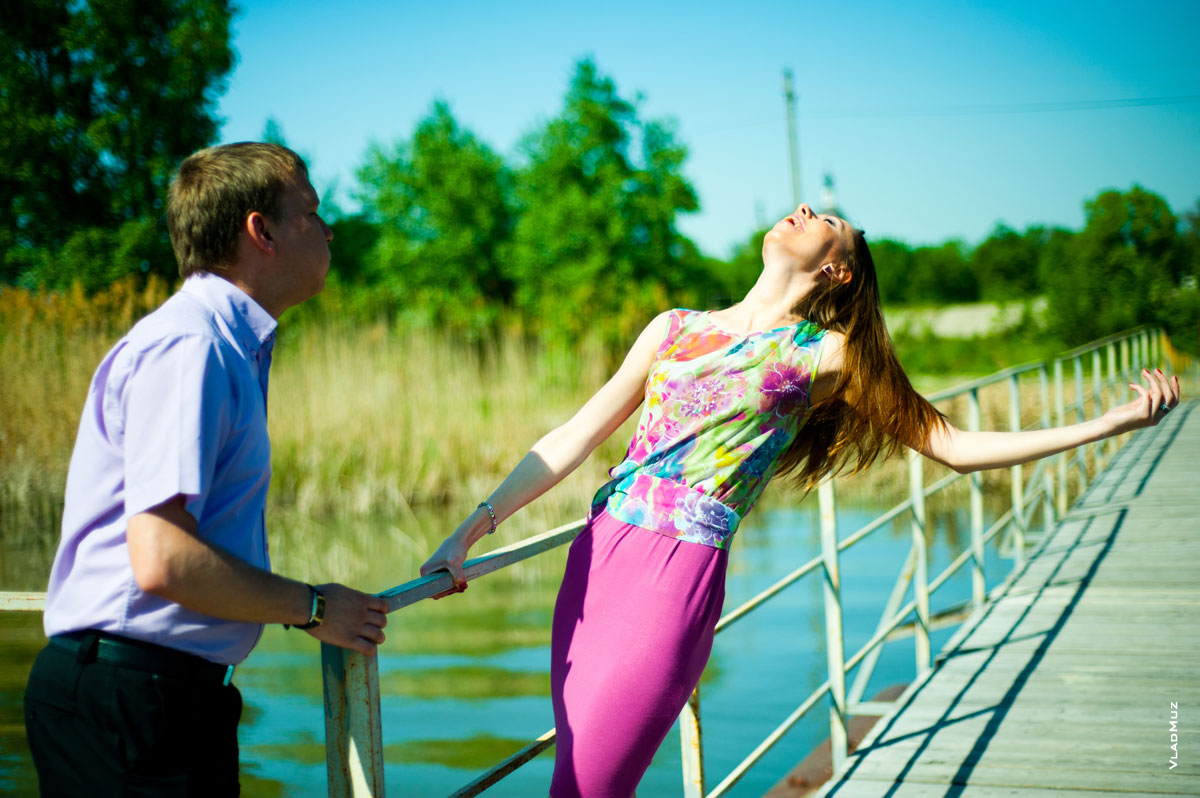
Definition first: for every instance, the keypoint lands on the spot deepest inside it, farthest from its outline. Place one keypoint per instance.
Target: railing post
(1080, 405)
(1098, 407)
(1111, 348)
(353, 736)
(1060, 420)
(1048, 514)
(1018, 478)
(692, 747)
(916, 492)
(835, 655)
(978, 586)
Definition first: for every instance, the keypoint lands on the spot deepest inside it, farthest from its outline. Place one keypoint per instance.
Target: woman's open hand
(1158, 397)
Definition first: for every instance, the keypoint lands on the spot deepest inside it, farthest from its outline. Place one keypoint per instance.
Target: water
(465, 681)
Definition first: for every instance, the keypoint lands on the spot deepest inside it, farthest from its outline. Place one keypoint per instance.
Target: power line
(1060, 106)
(1005, 108)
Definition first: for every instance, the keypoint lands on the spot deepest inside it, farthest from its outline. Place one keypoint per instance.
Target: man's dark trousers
(101, 729)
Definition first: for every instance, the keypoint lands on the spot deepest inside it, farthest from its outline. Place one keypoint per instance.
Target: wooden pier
(1081, 678)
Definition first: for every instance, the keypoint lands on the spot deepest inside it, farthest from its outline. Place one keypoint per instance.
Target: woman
(800, 378)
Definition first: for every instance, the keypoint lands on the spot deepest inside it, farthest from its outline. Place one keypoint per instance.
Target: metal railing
(353, 733)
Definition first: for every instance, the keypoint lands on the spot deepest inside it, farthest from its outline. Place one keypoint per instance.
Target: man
(161, 583)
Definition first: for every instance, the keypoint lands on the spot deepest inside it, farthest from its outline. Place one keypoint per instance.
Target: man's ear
(260, 236)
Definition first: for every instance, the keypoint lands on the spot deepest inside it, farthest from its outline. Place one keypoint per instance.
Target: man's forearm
(170, 561)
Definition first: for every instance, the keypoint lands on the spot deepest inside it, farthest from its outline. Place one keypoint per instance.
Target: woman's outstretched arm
(558, 453)
(966, 451)
(974, 451)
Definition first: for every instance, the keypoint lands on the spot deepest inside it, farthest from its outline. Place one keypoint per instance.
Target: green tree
(941, 274)
(1006, 264)
(1121, 270)
(893, 268)
(1053, 249)
(441, 203)
(1191, 244)
(595, 244)
(99, 102)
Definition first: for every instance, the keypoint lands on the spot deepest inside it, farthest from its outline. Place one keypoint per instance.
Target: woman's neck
(769, 302)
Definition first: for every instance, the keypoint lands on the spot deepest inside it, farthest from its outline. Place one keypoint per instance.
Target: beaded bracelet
(487, 506)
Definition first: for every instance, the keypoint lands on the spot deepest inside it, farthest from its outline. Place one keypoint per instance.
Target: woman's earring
(828, 269)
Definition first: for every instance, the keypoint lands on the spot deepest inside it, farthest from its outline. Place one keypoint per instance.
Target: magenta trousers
(633, 628)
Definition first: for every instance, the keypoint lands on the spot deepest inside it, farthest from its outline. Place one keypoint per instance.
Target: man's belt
(88, 645)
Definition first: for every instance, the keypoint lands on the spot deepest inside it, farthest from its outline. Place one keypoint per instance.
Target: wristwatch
(318, 611)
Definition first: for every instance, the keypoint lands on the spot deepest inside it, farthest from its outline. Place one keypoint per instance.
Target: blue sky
(936, 120)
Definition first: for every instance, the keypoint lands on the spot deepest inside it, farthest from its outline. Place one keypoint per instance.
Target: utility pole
(789, 101)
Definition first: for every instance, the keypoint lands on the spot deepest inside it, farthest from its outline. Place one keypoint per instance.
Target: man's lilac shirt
(178, 407)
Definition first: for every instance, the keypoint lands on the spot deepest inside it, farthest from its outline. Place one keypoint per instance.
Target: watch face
(319, 609)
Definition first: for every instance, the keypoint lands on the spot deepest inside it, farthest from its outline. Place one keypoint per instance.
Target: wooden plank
(1045, 721)
(1124, 757)
(867, 788)
(1057, 777)
(1048, 727)
(972, 737)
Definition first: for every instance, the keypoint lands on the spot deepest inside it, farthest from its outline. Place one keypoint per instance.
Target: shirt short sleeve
(177, 413)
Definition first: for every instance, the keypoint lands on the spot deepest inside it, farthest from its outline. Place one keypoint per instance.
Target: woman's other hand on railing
(1156, 399)
(450, 557)
(353, 620)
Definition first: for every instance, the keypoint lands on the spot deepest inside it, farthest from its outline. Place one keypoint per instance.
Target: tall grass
(49, 346)
(368, 424)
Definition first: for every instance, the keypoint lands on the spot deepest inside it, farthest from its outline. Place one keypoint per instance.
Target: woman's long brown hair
(888, 415)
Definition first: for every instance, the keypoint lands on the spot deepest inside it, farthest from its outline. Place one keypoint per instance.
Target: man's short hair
(215, 190)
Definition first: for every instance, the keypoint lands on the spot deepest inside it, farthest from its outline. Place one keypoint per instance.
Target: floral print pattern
(720, 408)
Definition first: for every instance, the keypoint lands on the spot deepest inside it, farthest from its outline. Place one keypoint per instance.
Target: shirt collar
(247, 321)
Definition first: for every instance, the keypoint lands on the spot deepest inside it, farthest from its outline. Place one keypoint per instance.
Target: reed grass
(382, 438)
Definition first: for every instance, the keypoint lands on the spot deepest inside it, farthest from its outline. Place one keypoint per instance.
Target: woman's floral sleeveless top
(720, 409)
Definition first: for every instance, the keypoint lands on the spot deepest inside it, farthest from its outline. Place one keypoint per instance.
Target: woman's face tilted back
(806, 241)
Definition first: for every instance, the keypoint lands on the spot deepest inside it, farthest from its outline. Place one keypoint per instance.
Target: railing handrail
(1033, 365)
(353, 733)
(425, 587)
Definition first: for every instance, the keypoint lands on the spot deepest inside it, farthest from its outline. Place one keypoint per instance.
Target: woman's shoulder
(667, 325)
(833, 344)
(676, 319)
